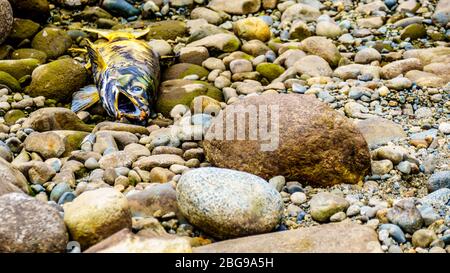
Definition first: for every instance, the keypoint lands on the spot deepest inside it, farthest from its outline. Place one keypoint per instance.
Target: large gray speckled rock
(228, 203)
(30, 225)
(6, 19)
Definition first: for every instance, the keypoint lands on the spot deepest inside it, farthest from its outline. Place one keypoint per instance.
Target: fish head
(127, 97)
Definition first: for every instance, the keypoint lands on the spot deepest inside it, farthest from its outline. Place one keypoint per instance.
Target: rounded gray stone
(227, 203)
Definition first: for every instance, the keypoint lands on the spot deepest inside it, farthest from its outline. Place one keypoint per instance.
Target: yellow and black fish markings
(126, 74)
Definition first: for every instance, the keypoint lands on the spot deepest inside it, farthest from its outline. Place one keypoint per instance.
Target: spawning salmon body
(126, 73)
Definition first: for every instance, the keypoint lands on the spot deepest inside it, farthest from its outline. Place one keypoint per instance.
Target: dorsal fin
(94, 56)
(111, 35)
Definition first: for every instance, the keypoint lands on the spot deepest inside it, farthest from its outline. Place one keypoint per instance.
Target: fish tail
(111, 35)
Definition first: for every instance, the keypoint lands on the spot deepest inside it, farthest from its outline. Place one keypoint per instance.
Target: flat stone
(330, 238)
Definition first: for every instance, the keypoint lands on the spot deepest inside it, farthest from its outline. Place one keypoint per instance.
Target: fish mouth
(128, 107)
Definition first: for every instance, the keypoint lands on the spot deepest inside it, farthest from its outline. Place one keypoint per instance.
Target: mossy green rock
(13, 115)
(166, 30)
(181, 70)
(5, 51)
(19, 68)
(269, 70)
(10, 81)
(58, 80)
(53, 41)
(413, 31)
(23, 29)
(175, 92)
(29, 53)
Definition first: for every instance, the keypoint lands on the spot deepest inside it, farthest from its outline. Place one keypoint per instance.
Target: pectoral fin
(85, 98)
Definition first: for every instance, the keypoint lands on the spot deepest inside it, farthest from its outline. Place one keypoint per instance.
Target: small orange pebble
(419, 143)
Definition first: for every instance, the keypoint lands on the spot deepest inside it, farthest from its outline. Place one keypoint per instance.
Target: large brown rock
(29, 225)
(315, 144)
(331, 238)
(6, 19)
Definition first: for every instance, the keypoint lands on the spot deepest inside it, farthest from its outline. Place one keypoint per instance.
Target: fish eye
(137, 89)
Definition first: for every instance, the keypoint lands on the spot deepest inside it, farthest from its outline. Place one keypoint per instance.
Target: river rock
(353, 71)
(252, 28)
(161, 160)
(38, 10)
(328, 29)
(367, 55)
(125, 241)
(235, 6)
(181, 70)
(58, 79)
(174, 92)
(29, 53)
(423, 238)
(428, 55)
(300, 118)
(405, 215)
(29, 225)
(323, 205)
(166, 30)
(7, 80)
(378, 130)
(19, 68)
(12, 179)
(396, 68)
(53, 41)
(442, 13)
(120, 7)
(439, 180)
(322, 47)
(223, 41)
(313, 66)
(55, 118)
(54, 143)
(301, 12)
(330, 238)
(156, 197)
(210, 16)
(270, 71)
(94, 215)
(228, 203)
(6, 20)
